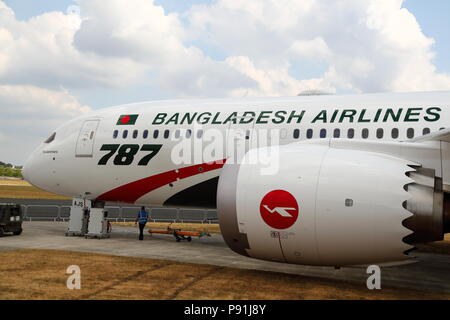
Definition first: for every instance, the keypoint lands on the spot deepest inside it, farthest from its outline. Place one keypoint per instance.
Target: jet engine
(315, 205)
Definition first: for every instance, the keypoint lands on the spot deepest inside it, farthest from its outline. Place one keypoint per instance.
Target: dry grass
(23, 191)
(40, 274)
(14, 182)
(207, 228)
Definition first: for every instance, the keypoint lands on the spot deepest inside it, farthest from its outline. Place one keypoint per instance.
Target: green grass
(10, 172)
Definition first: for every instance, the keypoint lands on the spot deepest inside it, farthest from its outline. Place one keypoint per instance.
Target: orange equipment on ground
(179, 234)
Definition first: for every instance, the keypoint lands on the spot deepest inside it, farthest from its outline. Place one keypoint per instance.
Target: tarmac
(431, 274)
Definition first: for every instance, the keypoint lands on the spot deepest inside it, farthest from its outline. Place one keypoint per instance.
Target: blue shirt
(142, 217)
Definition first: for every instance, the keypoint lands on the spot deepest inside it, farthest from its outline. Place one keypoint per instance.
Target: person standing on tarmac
(142, 218)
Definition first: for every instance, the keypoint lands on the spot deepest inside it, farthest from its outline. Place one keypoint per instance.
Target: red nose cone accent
(279, 209)
(125, 119)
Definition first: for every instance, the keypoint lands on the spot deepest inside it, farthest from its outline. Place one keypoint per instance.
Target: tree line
(8, 170)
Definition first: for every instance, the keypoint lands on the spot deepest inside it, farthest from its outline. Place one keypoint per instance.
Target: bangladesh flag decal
(128, 119)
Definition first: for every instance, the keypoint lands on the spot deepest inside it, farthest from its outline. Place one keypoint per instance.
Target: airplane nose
(31, 169)
(26, 170)
(39, 172)
(25, 173)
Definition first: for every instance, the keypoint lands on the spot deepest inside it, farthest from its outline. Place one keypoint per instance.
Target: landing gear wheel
(178, 240)
(2, 232)
(18, 233)
(189, 239)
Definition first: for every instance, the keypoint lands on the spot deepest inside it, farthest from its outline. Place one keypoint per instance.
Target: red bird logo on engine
(279, 209)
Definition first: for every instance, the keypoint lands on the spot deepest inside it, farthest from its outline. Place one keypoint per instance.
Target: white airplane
(345, 180)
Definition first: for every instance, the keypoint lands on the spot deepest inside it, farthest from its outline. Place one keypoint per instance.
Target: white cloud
(201, 76)
(29, 114)
(41, 52)
(130, 29)
(371, 45)
(142, 31)
(315, 49)
(115, 44)
(266, 48)
(272, 82)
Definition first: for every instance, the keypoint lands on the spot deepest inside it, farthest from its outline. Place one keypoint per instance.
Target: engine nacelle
(328, 207)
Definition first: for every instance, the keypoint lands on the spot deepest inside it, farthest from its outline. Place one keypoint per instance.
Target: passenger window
(199, 134)
(410, 133)
(145, 134)
(125, 134)
(166, 134)
(188, 133)
(177, 134)
(323, 133)
(309, 134)
(337, 133)
(135, 134)
(115, 134)
(296, 133)
(380, 133)
(426, 131)
(395, 133)
(155, 134)
(365, 133)
(351, 133)
(247, 135)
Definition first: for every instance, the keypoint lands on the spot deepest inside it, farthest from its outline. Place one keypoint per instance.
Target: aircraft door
(85, 143)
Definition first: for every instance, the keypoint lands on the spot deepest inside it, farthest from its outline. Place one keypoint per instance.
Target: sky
(62, 58)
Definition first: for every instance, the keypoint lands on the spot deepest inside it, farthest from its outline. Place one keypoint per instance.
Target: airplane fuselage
(126, 153)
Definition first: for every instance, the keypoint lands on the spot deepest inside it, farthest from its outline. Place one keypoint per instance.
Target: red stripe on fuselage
(131, 192)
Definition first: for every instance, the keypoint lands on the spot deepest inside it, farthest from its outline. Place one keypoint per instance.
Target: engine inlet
(427, 205)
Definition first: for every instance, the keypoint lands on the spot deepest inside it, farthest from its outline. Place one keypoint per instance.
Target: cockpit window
(52, 137)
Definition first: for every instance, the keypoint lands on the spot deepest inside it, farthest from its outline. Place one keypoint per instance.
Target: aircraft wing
(442, 135)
